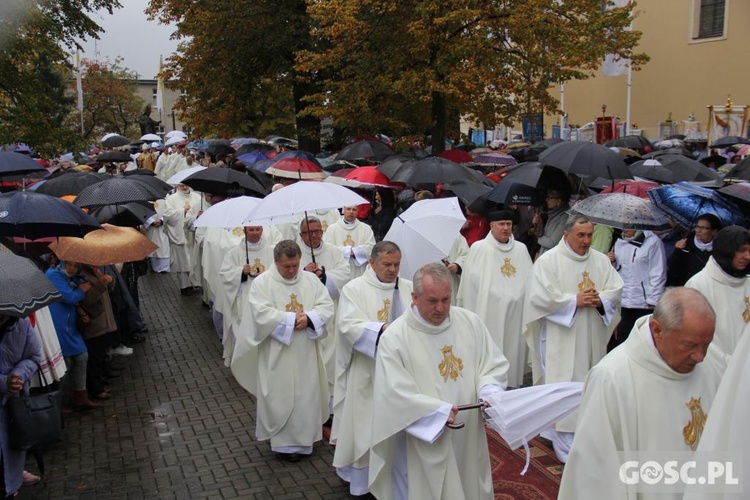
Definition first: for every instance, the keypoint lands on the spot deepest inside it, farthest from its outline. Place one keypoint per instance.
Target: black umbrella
(219, 149)
(675, 168)
(157, 187)
(740, 171)
(586, 159)
(365, 149)
(392, 164)
(113, 156)
(25, 288)
(139, 171)
(669, 151)
(431, 170)
(538, 176)
(223, 180)
(130, 214)
(511, 192)
(69, 183)
(472, 194)
(116, 191)
(725, 142)
(34, 215)
(628, 141)
(115, 141)
(17, 164)
(256, 146)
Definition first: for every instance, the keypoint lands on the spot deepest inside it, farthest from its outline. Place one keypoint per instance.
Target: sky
(129, 34)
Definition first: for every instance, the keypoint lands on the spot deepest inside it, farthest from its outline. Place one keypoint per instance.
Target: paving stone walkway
(178, 425)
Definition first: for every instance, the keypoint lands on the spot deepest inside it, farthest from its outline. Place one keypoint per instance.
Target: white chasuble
(633, 401)
(493, 285)
(730, 298)
(419, 368)
(288, 379)
(355, 240)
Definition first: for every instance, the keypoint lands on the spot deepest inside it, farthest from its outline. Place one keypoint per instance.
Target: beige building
(698, 51)
(169, 118)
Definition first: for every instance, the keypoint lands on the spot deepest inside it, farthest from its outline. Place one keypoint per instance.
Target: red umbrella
(456, 155)
(636, 188)
(370, 177)
(296, 168)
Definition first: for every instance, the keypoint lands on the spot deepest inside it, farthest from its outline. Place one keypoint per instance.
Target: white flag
(159, 89)
(79, 83)
(612, 66)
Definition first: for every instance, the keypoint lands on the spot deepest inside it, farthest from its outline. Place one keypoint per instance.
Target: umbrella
(370, 178)
(220, 149)
(150, 138)
(671, 168)
(364, 150)
(629, 141)
(222, 181)
(251, 147)
(116, 191)
(684, 202)
(456, 155)
(586, 159)
(176, 133)
(425, 232)
(298, 153)
(512, 192)
(113, 156)
(251, 158)
(472, 194)
(229, 213)
(153, 185)
(626, 152)
(495, 159)
(183, 174)
(262, 166)
(69, 183)
(139, 171)
(537, 175)
(130, 214)
(622, 211)
(431, 170)
(25, 288)
(741, 191)
(109, 245)
(177, 139)
(114, 141)
(296, 168)
(15, 164)
(299, 198)
(636, 188)
(34, 215)
(390, 166)
(740, 171)
(725, 142)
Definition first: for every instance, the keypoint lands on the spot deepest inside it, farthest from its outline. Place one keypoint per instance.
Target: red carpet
(540, 482)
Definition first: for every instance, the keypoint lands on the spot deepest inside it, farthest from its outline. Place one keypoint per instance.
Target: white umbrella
(107, 136)
(522, 414)
(299, 198)
(426, 232)
(175, 140)
(183, 174)
(229, 213)
(175, 133)
(150, 137)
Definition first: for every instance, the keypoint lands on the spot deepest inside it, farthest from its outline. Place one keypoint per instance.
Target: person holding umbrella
(550, 232)
(692, 252)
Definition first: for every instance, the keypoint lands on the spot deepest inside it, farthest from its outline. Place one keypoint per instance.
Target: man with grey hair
(278, 357)
(430, 360)
(651, 394)
(572, 306)
(367, 306)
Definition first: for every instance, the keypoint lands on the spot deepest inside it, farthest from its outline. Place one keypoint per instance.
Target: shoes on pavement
(328, 423)
(135, 339)
(290, 457)
(30, 479)
(120, 350)
(186, 291)
(103, 395)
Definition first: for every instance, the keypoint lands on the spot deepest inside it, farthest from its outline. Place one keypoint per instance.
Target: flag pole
(79, 89)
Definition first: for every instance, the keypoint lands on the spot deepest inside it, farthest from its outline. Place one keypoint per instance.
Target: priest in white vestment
(650, 394)
(725, 284)
(493, 285)
(455, 262)
(327, 263)
(156, 231)
(278, 357)
(572, 306)
(181, 209)
(367, 306)
(241, 265)
(355, 238)
(431, 359)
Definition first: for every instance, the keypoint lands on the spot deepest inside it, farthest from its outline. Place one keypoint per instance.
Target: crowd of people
(317, 323)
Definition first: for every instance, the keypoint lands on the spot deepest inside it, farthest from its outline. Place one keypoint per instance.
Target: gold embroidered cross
(694, 428)
(384, 315)
(746, 312)
(451, 366)
(508, 270)
(293, 306)
(257, 267)
(586, 283)
(349, 241)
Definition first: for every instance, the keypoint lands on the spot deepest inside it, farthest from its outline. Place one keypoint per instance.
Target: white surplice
(493, 284)
(355, 239)
(457, 255)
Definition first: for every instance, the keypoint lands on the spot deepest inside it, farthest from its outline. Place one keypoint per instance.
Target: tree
(35, 104)
(409, 64)
(236, 66)
(110, 102)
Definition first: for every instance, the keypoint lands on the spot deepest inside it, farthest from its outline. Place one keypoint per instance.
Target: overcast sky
(128, 33)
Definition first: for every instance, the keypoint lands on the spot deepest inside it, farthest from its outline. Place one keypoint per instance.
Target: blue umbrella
(298, 154)
(35, 215)
(685, 202)
(253, 157)
(17, 164)
(262, 165)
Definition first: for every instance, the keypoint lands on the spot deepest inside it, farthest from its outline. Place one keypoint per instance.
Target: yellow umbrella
(102, 247)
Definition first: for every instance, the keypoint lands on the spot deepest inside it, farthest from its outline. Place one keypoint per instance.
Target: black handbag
(35, 421)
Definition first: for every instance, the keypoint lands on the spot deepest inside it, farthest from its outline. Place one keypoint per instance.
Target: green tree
(235, 63)
(406, 65)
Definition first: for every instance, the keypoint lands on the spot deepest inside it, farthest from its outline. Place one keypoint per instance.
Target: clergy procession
(409, 310)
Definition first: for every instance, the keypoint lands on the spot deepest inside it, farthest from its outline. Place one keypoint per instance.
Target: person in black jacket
(382, 214)
(691, 253)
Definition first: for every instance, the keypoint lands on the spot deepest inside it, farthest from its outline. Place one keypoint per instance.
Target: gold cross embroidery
(451, 366)
(238, 232)
(586, 283)
(349, 241)
(257, 267)
(746, 312)
(324, 226)
(294, 306)
(694, 428)
(508, 270)
(384, 315)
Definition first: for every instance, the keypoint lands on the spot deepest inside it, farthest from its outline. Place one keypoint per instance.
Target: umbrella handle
(461, 425)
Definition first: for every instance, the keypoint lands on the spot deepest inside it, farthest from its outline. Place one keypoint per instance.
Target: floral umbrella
(623, 211)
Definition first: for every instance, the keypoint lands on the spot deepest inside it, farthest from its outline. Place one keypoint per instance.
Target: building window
(153, 96)
(711, 19)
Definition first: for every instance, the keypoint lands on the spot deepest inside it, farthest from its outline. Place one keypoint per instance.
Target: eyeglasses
(316, 232)
(703, 228)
